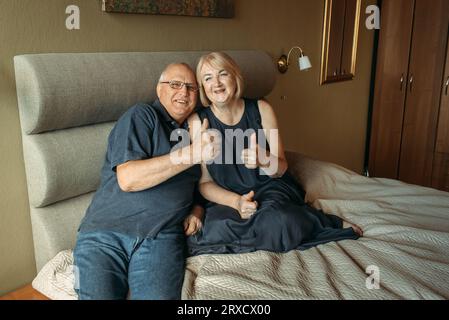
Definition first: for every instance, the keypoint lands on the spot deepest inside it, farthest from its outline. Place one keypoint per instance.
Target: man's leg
(157, 266)
(101, 266)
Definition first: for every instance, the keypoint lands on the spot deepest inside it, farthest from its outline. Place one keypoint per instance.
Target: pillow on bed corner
(318, 178)
(56, 279)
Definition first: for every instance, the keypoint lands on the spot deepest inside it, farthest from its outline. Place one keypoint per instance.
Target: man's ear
(158, 90)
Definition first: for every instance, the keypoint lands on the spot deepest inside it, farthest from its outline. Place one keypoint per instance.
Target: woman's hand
(193, 222)
(254, 156)
(246, 206)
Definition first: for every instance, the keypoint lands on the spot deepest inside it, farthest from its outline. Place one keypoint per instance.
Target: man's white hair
(171, 65)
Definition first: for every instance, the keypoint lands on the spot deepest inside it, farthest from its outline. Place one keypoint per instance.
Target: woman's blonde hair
(220, 61)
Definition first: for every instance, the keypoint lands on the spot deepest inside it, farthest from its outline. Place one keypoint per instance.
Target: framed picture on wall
(197, 8)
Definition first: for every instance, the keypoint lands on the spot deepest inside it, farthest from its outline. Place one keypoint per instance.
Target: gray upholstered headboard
(68, 104)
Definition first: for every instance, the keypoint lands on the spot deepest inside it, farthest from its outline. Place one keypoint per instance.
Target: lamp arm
(288, 56)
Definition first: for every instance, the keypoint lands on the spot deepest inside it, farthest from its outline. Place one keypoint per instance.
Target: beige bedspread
(406, 237)
(406, 243)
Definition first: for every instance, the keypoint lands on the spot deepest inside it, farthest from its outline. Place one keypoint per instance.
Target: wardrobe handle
(411, 82)
(402, 82)
(447, 85)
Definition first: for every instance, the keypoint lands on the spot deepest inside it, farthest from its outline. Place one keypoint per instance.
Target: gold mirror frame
(339, 74)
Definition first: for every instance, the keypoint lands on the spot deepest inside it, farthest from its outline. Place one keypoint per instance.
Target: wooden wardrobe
(410, 116)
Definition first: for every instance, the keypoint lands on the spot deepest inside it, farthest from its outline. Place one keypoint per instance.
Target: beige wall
(327, 122)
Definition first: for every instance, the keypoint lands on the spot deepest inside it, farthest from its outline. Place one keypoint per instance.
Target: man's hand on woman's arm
(194, 221)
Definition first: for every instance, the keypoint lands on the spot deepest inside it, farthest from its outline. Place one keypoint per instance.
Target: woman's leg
(356, 228)
(287, 226)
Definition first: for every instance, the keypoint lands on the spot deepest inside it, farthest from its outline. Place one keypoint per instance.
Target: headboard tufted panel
(60, 91)
(68, 103)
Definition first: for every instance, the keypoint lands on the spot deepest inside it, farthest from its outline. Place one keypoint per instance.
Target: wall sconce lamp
(303, 61)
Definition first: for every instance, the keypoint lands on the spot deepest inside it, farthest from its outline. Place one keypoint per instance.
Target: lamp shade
(304, 63)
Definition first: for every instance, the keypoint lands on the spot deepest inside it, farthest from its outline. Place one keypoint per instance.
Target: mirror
(340, 34)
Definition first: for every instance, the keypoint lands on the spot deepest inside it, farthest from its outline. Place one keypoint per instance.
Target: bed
(68, 103)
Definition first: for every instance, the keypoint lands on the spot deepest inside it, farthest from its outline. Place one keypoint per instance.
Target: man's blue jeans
(109, 264)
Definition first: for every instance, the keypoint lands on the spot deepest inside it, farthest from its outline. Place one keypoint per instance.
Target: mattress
(402, 255)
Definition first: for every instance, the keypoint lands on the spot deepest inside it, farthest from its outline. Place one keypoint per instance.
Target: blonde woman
(253, 202)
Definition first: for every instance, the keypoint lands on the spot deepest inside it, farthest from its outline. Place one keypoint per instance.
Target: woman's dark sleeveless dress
(283, 221)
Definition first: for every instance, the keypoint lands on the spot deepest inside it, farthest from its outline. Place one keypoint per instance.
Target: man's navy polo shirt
(143, 132)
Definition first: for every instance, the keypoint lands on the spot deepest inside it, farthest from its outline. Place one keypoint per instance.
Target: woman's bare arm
(271, 129)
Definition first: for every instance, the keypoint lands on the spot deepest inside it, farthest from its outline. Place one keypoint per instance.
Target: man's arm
(138, 175)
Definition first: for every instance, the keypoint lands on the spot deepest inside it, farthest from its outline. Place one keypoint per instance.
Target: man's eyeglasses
(178, 85)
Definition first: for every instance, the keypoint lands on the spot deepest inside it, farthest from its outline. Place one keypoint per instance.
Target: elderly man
(131, 240)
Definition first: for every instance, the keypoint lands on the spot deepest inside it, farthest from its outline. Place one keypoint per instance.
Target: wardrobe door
(428, 52)
(390, 87)
(440, 178)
